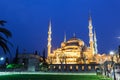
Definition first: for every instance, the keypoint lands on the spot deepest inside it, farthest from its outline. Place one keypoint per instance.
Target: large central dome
(76, 42)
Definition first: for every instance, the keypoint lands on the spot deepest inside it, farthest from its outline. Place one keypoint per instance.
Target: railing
(73, 67)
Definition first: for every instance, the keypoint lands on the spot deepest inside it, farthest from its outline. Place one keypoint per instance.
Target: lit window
(89, 67)
(70, 67)
(54, 67)
(82, 67)
(76, 67)
(59, 67)
(64, 67)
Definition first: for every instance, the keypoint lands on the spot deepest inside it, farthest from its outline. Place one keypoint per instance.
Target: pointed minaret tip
(50, 22)
(50, 25)
(64, 37)
(90, 18)
(74, 35)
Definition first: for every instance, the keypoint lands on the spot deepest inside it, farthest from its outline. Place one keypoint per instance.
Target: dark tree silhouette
(6, 61)
(119, 50)
(44, 56)
(36, 53)
(2, 22)
(4, 35)
(16, 56)
(44, 64)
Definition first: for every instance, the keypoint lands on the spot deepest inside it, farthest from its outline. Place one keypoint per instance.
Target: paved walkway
(117, 76)
(42, 73)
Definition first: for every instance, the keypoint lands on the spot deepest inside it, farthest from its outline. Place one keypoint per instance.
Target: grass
(51, 77)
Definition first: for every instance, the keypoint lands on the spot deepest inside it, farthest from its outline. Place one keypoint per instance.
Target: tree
(44, 56)
(6, 61)
(15, 61)
(4, 35)
(44, 65)
(50, 60)
(119, 50)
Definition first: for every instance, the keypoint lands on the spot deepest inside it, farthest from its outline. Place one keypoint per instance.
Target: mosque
(74, 50)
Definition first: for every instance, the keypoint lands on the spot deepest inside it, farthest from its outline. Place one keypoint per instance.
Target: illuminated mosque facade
(74, 50)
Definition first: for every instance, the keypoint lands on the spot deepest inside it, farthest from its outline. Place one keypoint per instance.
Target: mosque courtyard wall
(73, 67)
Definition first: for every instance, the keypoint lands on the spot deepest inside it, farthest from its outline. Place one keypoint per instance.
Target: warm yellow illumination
(76, 67)
(82, 68)
(89, 67)
(74, 50)
(70, 67)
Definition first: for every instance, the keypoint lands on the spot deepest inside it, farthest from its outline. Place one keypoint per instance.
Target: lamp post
(2, 61)
(112, 56)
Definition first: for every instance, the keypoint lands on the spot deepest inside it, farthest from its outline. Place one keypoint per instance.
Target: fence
(73, 67)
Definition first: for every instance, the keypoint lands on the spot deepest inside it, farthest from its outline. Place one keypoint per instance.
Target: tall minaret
(91, 42)
(95, 43)
(49, 39)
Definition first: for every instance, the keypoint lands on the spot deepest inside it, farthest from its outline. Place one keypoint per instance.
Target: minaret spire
(74, 35)
(95, 42)
(64, 37)
(91, 42)
(90, 29)
(49, 39)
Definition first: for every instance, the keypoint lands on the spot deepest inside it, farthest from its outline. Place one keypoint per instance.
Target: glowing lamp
(2, 58)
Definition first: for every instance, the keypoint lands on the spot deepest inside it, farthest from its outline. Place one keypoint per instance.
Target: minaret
(91, 42)
(95, 43)
(49, 39)
(64, 37)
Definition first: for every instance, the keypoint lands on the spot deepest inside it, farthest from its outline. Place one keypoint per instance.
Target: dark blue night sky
(28, 22)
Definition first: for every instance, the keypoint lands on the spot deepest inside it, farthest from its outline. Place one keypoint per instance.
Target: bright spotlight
(2, 58)
(111, 53)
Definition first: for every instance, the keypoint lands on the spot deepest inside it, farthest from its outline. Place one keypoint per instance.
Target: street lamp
(112, 56)
(1, 61)
(112, 53)
(2, 58)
